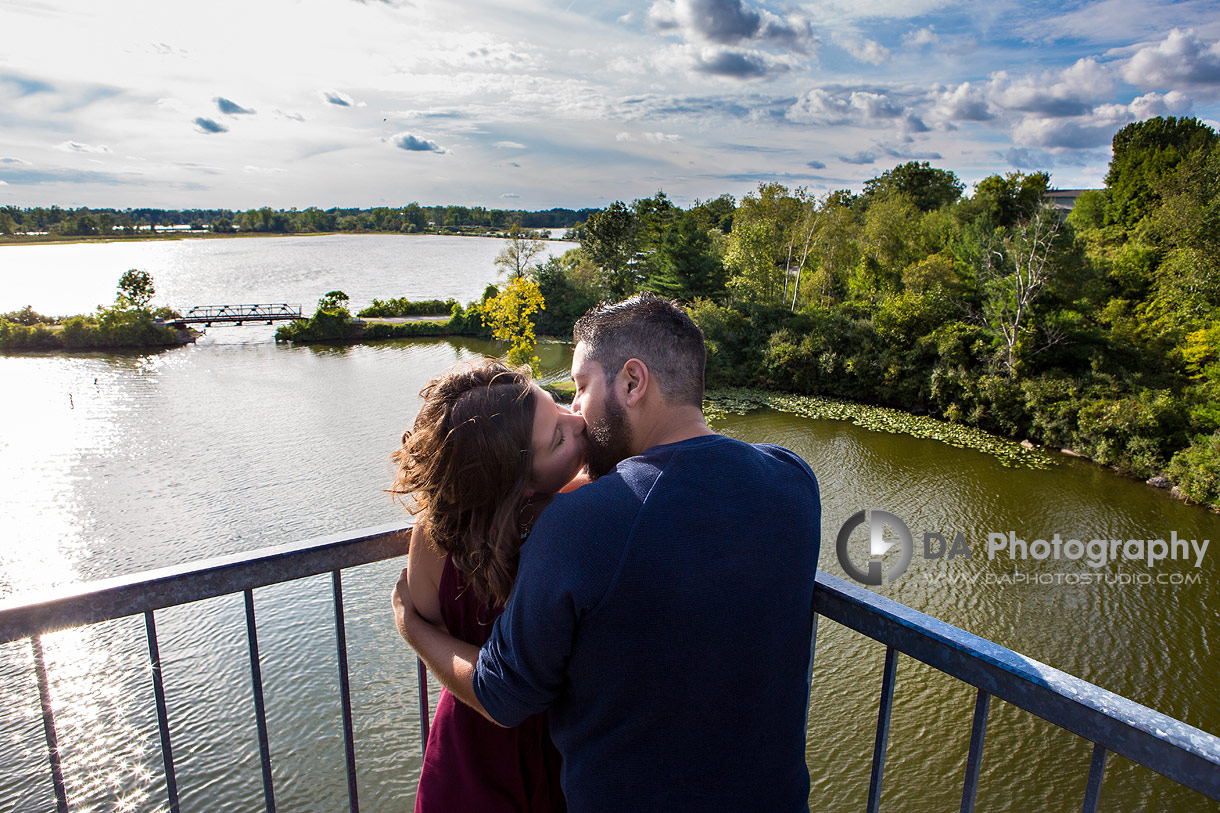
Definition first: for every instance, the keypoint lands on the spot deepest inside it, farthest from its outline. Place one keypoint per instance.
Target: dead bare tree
(1014, 269)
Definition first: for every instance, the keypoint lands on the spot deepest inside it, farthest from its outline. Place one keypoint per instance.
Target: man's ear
(635, 379)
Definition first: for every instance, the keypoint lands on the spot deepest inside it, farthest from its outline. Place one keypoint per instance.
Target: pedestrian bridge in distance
(207, 315)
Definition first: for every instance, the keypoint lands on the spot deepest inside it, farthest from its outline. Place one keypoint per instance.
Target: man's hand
(450, 660)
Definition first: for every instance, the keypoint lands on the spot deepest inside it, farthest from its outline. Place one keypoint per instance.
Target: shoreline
(51, 240)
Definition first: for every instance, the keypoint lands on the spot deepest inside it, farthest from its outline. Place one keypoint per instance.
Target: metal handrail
(1113, 723)
(154, 590)
(107, 599)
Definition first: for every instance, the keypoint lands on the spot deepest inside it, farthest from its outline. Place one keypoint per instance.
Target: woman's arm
(424, 567)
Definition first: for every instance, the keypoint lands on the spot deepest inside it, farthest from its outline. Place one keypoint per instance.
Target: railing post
(260, 713)
(424, 712)
(345, 695)
(48, 725)
(167, 754)
(883, 728)
(974, 760)
(1097, 770)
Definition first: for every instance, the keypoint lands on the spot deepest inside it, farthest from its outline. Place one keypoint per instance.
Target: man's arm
(451, 660)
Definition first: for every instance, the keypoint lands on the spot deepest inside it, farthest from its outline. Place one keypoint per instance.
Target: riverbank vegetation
(1096, 331)
(400, 307)
(53, 223)
(128, 323)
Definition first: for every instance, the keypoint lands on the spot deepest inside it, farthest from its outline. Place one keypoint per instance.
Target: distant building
(1064, 199)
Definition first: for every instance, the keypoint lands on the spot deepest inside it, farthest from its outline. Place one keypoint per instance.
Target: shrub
(27, 316)
(1196, 469)
(404, 307)
(1136, 434)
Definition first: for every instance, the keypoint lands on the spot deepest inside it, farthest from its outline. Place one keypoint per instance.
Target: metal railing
(1113, 723)
(148, 592)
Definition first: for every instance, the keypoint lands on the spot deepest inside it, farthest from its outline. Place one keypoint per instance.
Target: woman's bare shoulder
(425, 564)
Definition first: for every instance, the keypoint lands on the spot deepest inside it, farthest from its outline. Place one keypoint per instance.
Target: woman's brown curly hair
(466, 465)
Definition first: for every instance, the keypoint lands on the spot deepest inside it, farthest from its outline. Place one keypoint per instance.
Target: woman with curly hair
(488, 451)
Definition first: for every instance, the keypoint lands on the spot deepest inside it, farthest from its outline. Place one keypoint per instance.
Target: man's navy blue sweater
(662, 616)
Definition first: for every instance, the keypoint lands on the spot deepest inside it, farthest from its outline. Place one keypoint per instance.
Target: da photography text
(1095, 552)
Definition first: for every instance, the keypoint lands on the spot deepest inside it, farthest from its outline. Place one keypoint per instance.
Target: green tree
(1145, 153)
(928, 187)
(569, 286)
(610, 242)
(1014, 197)
(520, 251)
(334, 302)
(685, 264)
(135, 289)
(835, 248)
(717, 213)
(1089, 212)
(754, 276)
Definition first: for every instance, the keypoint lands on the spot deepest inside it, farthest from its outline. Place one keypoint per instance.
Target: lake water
(116, 463)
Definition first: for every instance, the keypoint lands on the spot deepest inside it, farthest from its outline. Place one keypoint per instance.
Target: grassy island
(128, 324)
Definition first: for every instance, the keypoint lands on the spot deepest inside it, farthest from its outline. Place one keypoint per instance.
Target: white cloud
(1097, 127)
(76, 146)
(1181, 59)
(887, 9)
(1069, 92)
(863, 49)
(920, 38)
(1173, 103)
(510, 195)
(253, 170)
(508, 145)
(651, 138)
(966, 102)
(821, 107)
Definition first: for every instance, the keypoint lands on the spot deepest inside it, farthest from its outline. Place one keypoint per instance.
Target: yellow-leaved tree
(509, 315)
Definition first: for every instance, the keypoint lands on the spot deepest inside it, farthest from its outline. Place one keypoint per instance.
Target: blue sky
(532, 104)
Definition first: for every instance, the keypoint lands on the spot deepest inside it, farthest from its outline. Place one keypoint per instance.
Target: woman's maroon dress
(471, 763)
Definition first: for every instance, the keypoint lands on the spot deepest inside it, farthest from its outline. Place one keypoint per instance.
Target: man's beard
(609, 439)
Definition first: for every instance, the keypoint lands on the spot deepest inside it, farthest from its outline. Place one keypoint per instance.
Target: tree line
(411, 219)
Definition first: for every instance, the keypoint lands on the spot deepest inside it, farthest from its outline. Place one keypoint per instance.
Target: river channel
(114, 463)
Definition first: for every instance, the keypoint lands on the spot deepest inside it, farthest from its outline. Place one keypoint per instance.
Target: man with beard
(662, 613)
